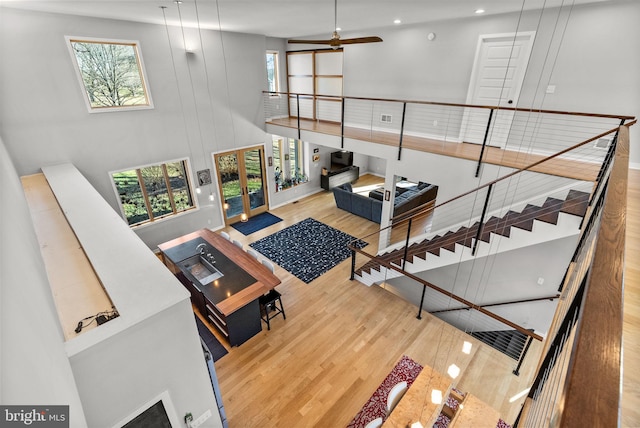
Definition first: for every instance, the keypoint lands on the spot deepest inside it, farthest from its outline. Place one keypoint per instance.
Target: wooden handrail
(471, 305)
(437, 103)
(597, 349)
(510, 302)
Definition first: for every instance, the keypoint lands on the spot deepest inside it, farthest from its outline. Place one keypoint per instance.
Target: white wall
(595, 70)
(119, 375)
(502, 277)
(45, 121)
(34, 369)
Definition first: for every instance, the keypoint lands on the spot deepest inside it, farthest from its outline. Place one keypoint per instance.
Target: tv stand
(338, 177)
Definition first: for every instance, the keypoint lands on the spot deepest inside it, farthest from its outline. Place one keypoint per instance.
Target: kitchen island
(224, 281)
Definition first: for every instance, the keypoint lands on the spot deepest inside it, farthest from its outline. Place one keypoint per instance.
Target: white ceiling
(285, 18)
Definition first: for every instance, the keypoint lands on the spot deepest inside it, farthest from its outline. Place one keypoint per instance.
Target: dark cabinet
(336, 178)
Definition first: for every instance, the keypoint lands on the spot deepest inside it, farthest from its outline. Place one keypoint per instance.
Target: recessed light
(397, 21)
(479, 11)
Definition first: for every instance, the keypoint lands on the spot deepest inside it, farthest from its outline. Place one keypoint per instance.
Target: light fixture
(466, 347)
(338, 29)
(453, 371)
(397, 21)
(479, 11)
(436, 396)
(211, 198)
(198, 190)
(519, 395)
(243, 218)
(225, 205)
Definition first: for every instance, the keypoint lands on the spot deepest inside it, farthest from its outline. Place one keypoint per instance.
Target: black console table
(338, 177)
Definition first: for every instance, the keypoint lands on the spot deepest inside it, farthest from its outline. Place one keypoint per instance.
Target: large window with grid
(153, 192)
(315, 84)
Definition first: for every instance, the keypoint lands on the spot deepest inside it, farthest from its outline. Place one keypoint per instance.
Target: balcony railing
(508, 136)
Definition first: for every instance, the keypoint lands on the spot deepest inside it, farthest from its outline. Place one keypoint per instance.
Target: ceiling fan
(335, 41)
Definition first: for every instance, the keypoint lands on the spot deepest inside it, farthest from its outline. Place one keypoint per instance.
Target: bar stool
(270, 307)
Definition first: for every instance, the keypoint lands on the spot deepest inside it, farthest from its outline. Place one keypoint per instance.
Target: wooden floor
(339, 341)
(341, 338)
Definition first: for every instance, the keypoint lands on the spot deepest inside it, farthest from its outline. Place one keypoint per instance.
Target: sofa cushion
(361, 205)
(342, 197)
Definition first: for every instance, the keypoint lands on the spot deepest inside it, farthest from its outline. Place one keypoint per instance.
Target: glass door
(242, 183)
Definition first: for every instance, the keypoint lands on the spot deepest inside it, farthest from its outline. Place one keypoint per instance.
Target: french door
(242, 181)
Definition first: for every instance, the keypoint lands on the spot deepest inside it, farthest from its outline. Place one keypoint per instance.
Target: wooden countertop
(265, 280)
(475, 413)
(416, 403)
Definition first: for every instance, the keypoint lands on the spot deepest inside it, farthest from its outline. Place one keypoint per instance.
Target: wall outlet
(206, 415)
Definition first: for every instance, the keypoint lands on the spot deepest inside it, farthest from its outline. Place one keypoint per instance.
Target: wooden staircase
(575, 203)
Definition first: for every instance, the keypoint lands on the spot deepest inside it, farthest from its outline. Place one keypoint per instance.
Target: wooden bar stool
(270, 307)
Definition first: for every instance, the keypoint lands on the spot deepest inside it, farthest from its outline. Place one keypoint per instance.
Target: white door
(498, 72)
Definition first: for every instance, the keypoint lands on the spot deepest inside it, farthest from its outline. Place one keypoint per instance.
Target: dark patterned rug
(306, 249)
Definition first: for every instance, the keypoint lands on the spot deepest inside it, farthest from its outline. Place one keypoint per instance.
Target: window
(111, 74)
(277, 153)
(288, 162)
(153, 192)
(295, 158)
(272, 71)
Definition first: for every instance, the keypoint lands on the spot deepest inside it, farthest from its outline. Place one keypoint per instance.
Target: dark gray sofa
(361, 205)
(371, 207)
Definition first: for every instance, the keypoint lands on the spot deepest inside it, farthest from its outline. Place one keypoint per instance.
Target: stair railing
(408, 218)
(586, 338)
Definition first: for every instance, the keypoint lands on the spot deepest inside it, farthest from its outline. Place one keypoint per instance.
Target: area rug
(256, 223)
(215, 347)
(405, 370)
(306, 249)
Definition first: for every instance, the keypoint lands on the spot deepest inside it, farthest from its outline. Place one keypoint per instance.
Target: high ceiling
(285, 18)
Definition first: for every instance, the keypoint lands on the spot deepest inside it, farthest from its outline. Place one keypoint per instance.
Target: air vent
(385, 118)
(602, 143)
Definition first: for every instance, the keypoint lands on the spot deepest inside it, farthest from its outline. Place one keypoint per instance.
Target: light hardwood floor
(339, 341)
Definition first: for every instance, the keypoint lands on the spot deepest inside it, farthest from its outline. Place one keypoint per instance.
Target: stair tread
(576, 203)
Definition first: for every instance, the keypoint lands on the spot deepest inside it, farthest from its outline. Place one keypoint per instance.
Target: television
(341, 159)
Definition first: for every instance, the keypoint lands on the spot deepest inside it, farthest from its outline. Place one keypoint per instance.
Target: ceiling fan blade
(311, 42)
(371, 39)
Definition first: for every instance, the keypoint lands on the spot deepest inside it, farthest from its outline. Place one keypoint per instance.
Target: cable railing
(586, 337)
(508, 136)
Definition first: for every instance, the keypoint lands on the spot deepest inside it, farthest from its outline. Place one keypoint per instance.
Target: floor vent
(602, 143)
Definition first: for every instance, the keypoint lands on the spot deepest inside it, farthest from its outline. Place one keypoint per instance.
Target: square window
(111, 74)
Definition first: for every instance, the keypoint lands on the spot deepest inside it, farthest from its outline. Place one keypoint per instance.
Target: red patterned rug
(376, 406)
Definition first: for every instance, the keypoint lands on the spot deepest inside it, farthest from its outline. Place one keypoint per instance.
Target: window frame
(276, 72)
(155, 220)
(141, 69)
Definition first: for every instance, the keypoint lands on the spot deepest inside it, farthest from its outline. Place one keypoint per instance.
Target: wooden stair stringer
(567, 225)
